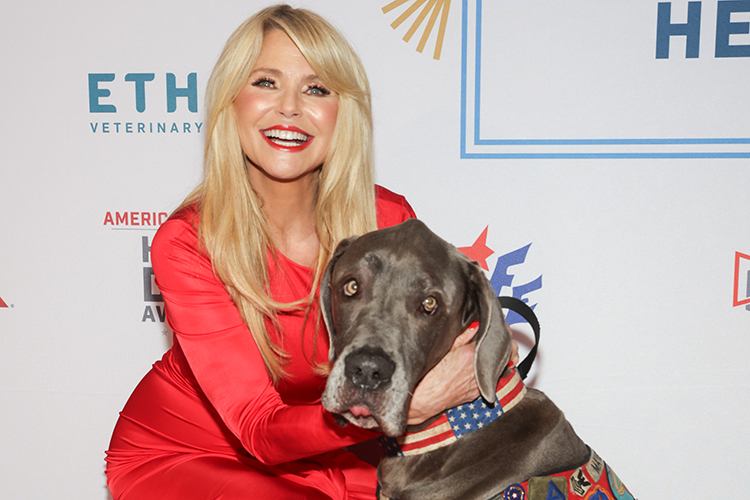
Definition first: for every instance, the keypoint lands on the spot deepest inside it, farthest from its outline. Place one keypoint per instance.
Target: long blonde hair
(232, 226)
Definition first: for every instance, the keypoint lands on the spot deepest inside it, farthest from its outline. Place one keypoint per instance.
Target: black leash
(526, 313)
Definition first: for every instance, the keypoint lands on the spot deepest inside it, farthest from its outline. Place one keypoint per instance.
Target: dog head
(393, 301)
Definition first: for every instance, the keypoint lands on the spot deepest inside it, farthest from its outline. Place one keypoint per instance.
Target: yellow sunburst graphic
(432, 7)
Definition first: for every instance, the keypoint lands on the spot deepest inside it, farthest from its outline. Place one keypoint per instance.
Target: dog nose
(369, 368)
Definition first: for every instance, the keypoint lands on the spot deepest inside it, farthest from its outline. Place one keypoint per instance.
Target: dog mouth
(359, 400)
(361, 416)
(360, 411)
(363, 409)
(374, 411)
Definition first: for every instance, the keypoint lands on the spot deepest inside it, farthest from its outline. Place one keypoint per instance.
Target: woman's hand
(451, 382)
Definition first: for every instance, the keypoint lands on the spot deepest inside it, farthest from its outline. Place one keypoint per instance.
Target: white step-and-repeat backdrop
(594, 156)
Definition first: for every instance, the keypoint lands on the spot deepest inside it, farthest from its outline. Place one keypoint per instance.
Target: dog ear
(493, 341)
(325, 292)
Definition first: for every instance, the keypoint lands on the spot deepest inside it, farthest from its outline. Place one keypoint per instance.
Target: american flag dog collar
(458, 421)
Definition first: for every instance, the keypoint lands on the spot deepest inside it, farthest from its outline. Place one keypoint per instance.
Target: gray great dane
(393, 301)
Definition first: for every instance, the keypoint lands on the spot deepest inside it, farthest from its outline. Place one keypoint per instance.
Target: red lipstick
(287, 138)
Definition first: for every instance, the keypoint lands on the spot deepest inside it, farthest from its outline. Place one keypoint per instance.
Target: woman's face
(285, 115)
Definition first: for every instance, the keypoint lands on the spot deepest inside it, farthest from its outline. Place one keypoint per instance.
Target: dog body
(532, 439)
(393, 301)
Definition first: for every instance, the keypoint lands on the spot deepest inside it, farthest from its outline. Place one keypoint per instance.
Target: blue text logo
(666, 28)
(99, 91)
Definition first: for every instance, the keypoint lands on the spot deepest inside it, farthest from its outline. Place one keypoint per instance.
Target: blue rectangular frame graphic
(478, 141)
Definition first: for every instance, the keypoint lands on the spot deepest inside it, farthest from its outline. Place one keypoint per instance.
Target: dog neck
(459, 421)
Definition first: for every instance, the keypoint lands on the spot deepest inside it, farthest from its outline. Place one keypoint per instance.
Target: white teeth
(284, 137)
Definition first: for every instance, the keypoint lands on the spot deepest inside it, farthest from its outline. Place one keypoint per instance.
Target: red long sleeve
(274, 425)
(207, 416)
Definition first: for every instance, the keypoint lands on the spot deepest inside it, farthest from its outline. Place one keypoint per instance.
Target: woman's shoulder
(187, 214)
(180, 229)
(392, 208)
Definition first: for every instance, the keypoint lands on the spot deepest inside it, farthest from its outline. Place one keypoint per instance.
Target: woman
(232, 410)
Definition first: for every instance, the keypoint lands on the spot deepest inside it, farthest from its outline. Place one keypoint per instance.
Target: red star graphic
(479, 251)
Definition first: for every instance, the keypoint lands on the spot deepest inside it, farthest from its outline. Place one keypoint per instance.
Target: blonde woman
(232, 410)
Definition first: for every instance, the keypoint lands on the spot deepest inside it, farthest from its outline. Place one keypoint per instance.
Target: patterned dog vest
(594, 480)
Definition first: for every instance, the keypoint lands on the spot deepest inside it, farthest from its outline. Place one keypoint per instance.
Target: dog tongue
(359, 411)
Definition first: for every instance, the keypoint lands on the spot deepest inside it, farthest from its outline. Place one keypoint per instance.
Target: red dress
(206, 422)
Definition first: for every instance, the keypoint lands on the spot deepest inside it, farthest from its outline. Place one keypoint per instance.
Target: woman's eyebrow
(273, 71)
(278, 73)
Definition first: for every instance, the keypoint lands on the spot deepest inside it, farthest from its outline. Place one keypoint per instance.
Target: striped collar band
(458, 421)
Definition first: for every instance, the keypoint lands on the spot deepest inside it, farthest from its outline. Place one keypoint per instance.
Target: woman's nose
(288, 104)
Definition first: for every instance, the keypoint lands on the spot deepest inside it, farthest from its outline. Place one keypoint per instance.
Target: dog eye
(351, 287)
(429, 304)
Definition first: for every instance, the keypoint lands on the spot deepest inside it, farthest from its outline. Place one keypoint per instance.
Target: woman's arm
(226, 362)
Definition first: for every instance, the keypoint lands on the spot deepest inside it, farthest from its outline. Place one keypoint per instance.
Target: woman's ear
(325, 292)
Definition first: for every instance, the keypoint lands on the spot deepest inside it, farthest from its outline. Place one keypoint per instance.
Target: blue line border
(560, 142)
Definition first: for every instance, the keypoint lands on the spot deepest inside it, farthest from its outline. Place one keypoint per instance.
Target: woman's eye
(429, 304)
(264, 82)
(351, 287)
(318, 90)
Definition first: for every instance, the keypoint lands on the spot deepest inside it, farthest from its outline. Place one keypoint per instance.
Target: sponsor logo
(153, 308)
(135, 220)
(503, 282)
(135, 102)
(741, 280)
(502, 125)
(667, 27)
(433, 8)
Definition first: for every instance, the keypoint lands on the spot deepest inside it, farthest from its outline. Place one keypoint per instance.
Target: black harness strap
(526, 313)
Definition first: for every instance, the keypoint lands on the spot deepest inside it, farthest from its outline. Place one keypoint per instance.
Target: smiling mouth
(286, 138)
